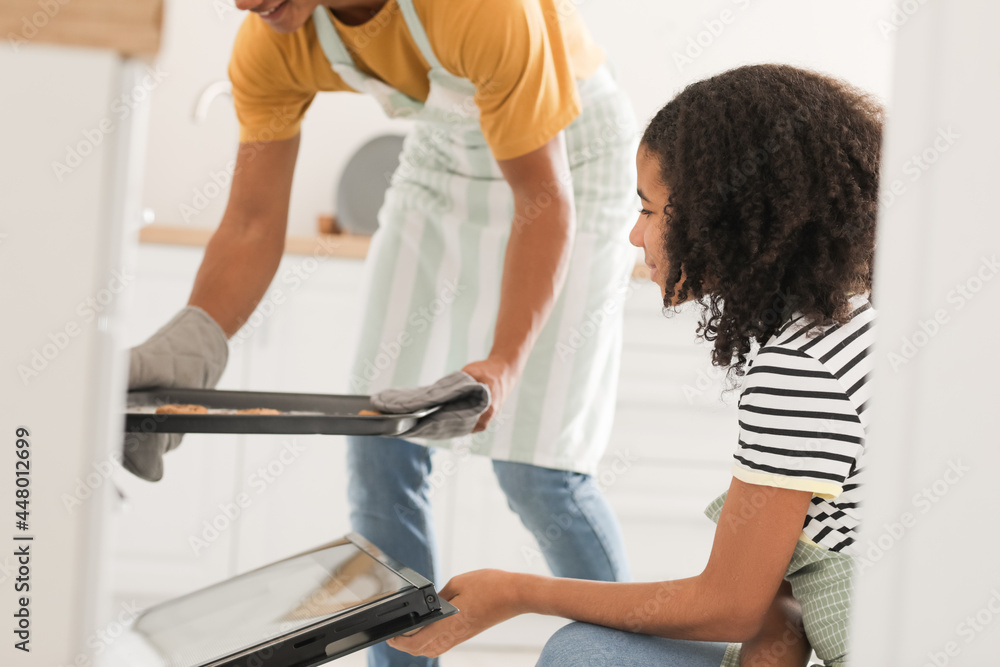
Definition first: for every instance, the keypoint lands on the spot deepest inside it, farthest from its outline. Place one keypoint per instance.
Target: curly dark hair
(773, 179)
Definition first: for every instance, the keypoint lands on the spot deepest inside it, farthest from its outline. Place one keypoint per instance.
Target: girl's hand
(782, 640)
(484, 598)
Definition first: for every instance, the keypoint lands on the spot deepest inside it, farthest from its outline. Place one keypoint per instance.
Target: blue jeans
(579, 644)
(388, 491)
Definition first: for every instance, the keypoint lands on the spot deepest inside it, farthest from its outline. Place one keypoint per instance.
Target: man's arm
(245, 250)
(535, 264)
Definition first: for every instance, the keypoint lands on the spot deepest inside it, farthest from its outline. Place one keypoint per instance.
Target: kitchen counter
(346, 246)
(132, 28)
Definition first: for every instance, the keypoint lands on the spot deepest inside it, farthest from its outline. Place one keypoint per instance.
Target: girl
(759, 198)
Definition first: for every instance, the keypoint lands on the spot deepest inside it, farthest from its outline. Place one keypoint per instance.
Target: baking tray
(327, 414)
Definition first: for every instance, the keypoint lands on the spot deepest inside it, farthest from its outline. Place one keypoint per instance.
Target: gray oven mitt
(189, 351)
(460, 398)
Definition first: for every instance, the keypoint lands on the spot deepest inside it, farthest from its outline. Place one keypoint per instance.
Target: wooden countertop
(346, 246)
(131, 27)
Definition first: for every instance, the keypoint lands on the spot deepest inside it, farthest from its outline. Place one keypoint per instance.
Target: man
(511, 197)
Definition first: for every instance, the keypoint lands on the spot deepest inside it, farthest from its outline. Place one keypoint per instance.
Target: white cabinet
(157, 554)
(669, 454)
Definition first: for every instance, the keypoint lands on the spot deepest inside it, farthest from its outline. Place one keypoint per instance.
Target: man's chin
(284, 30)
(285, 27)
(291, 18)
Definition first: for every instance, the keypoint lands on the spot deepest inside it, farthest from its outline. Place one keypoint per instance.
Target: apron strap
(418, 33)
(329, 40)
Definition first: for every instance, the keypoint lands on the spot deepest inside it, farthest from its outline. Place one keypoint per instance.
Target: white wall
(929, 594)
(841, 37)
(659, 47)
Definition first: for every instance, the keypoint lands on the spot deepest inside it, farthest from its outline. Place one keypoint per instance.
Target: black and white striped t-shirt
(803, 419)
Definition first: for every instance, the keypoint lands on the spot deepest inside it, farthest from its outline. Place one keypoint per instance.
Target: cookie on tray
(181, 409)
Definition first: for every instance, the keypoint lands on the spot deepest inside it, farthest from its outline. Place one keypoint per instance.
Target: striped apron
(434, 269)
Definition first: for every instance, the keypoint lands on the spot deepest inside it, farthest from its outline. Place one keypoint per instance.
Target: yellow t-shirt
(522, 55)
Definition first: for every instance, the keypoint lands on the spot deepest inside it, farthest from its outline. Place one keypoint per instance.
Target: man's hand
(189, 351)
(500, 377)
(484, 598)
